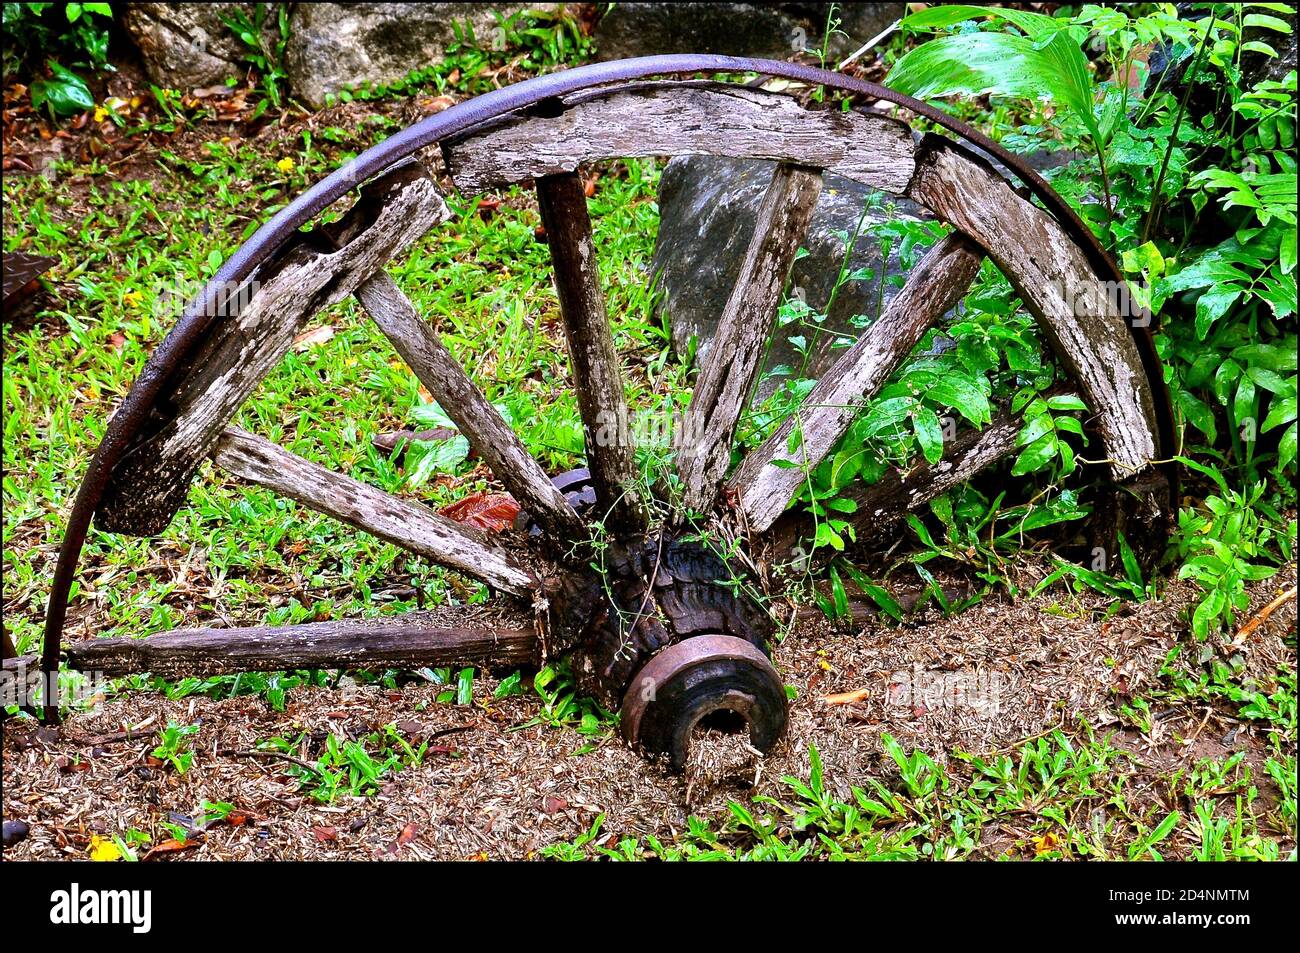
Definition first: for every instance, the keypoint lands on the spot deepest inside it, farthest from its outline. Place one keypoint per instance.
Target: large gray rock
(185, 45)
(708, 207)
(336, 45)
(770, 30)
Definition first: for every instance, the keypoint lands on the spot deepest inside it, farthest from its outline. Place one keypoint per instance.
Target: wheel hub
(686, 682)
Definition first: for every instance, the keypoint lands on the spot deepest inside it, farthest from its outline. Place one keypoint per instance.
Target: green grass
(1075, 795)
(481, 279)
(131, 247)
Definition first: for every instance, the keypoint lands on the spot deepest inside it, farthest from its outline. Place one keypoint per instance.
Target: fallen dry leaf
(492, 512)
(310, 338)
(405, 837)
(847, 698)
(553, 805)
(171, 846)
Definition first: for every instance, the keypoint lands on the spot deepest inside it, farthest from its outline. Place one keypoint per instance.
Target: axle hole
(723, 720)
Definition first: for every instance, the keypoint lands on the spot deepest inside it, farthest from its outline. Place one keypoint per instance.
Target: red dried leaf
(325, 835)
(408, 833)
(492, 512)
(172, 846)
(553, 805)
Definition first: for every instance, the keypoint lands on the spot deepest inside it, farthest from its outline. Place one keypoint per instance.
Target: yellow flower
(100, 114)
(285, 164)
(133, 298)
(1046, 844)
(101, 848)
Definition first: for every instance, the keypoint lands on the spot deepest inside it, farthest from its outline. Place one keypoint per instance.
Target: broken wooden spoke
(900, 492)
(936, 285)
(596, 375)
(254, 332)
(408, 525)
(731, 363)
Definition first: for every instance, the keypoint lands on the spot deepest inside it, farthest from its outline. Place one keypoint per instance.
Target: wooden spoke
(900, 492)
(1076, 312)
(250, 339)
(480, 422)
(732, 361)
(596, 375)
(935, 285)
(409, 525)
(681, 118)
(410, 640)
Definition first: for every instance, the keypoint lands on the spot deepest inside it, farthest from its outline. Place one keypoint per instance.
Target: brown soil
(492, 789)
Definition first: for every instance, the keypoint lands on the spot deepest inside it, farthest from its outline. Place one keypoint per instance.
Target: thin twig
(1264, 613)
(869, 44)
(278, 755)
(1173, 135)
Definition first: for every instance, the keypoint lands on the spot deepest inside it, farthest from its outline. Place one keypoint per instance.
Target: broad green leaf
(1035, 456)
(928, 433)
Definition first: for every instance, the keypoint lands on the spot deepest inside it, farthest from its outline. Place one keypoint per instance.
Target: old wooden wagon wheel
(655, 633)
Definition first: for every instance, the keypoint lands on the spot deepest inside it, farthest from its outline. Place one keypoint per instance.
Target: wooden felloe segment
(151, 483)
(596, 375)
(935, 286)
(1077, 313)
(669, 119)
(480, 422)
(406, 524)
(411, 640)
(897, 493)
(731, 363)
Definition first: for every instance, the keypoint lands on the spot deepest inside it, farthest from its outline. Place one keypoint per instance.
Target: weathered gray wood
(406, 524)
(899, 492)
(934, 286)
(666, 118)
(731, 363)
(409, 640)
(1078, 313)
(596, 375)
(151, 483)
(22, 663)
(483, 426)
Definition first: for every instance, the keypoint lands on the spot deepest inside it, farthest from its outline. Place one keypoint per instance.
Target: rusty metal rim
(198, 314)
(676, 659)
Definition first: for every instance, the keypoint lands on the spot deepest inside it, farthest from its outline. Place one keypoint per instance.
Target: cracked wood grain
(411, 640)
(1077, 312)
(731, 364)
(681, 118)
(151, 482)
(406, 524)
(597, 378)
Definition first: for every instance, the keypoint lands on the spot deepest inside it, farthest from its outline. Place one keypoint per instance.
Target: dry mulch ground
(1012, 670)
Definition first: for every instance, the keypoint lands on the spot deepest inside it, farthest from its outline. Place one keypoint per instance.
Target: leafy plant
(63, 93)
(263, 47)
(1220, 548)
(174, 746)
(1203, 154)
(39, 32)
